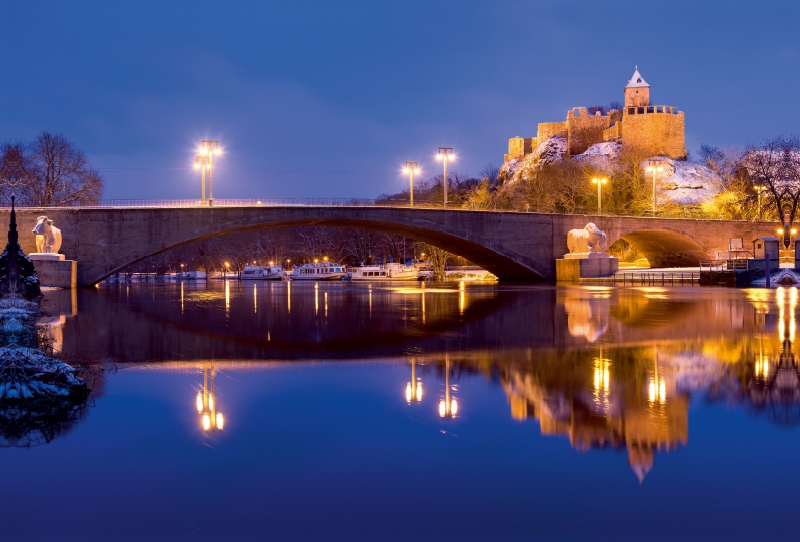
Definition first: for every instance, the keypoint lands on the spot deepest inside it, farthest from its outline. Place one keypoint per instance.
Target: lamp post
(760, 189)
(411, 168)
(445, 154)
(201, 162)
(599, 181)
(209, 148)
(655, 168)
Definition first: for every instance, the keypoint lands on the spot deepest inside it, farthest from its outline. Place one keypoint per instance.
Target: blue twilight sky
(329, 98)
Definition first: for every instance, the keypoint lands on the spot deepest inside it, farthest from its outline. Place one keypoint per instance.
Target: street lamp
(201, 162)
(445, 154)
(411, 168)
(760, 189)
(209, 148)
(655, 168)
(599, 181)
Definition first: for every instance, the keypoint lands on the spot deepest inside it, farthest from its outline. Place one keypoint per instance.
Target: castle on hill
(653, 129)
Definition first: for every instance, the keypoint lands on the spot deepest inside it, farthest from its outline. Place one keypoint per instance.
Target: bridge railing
(363, 202)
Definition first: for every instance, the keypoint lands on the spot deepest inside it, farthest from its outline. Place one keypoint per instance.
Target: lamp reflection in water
(255, 298)
(602, 382)
(206, 403)
(657, 388)
(414, 388)
(448, 407)
(227, 296)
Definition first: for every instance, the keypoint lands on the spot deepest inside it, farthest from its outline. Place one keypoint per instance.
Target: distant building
(653, 129)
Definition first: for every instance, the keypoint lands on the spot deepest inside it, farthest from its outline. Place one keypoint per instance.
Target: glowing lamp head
(442, 409)
(780, 231)
(453, 407)
(408, 392)
(206, 422)
(220, 421)
(199, 402)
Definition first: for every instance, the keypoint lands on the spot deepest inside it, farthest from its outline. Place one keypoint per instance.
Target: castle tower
(637, 91)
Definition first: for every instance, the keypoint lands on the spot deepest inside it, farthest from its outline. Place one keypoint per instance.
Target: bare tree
(49, 172)
(776, 167)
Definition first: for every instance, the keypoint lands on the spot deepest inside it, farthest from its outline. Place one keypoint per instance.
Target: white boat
(260, 272)
(190, 275)
(319, 271)
(390, 271)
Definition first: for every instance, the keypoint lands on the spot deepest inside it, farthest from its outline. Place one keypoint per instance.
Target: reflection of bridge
(513, 246)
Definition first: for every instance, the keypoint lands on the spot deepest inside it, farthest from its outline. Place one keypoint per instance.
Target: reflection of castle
(656, 420)
(653, 129)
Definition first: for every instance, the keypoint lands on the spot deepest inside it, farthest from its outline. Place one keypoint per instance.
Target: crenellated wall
(584, 130)
(655, 129)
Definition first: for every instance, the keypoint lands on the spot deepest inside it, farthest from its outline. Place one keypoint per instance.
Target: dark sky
(329, 98)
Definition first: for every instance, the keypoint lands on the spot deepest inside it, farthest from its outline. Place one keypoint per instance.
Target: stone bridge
(514, 246)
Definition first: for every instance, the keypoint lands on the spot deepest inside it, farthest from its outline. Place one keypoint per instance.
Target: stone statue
(588, 240)
(48, 237)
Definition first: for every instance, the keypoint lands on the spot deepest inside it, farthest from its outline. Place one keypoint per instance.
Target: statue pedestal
(41, 256)
(586, 256)
(574, 267)
(54, 271)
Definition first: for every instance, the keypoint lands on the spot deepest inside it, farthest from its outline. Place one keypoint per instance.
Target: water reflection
(211, 419)
(606, 367)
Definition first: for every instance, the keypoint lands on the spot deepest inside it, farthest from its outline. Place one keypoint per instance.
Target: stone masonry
(652, 129)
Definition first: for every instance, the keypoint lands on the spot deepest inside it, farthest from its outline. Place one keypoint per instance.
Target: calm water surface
(399, 412)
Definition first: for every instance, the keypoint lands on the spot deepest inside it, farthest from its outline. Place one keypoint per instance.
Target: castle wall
(518, 147)
(655, 130)
(551, 129)
(584, 130)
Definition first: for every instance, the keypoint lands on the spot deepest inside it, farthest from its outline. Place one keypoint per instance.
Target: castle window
(660, 109)
(576, 112)
(631, 111)
(640, 111)
(650, 109)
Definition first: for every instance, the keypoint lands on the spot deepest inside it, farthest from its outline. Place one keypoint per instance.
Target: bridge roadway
(514, 246)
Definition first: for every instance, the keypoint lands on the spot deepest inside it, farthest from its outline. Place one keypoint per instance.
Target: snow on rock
(601, 155)
(548, 152)
(688, 183)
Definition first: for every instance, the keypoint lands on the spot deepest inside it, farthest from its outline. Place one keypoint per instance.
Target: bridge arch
(501, 265)
(105, 241)
(665, 247)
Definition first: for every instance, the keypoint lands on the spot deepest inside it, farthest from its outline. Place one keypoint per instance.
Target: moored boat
(390, 271)
(261, 272)
(190, 275)
(319, 271)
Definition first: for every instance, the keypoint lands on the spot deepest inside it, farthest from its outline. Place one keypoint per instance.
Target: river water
(338, 411)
